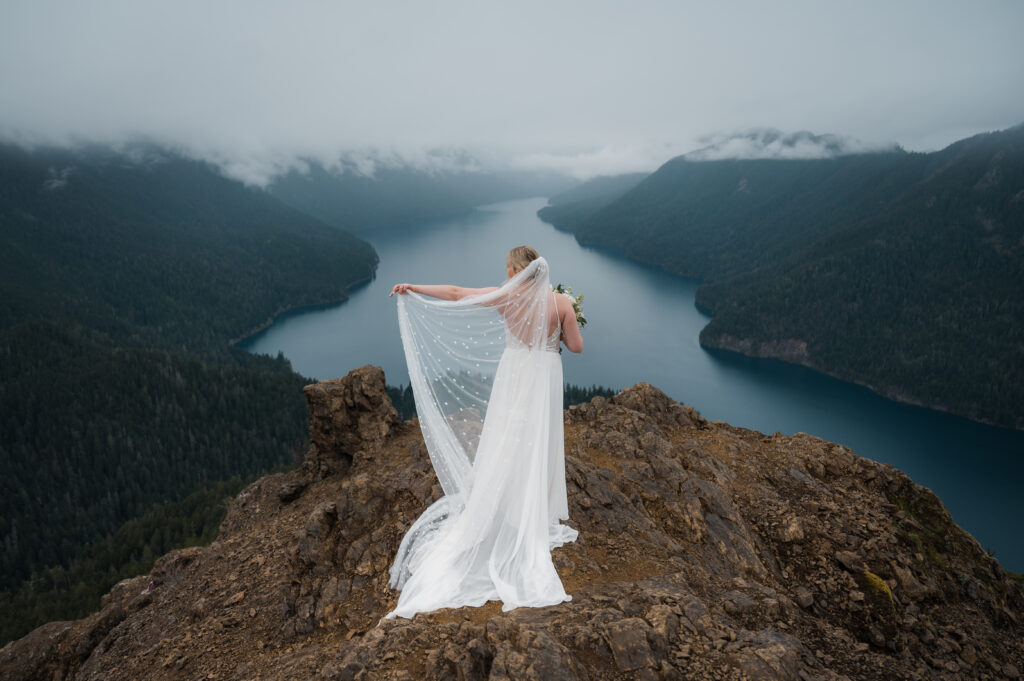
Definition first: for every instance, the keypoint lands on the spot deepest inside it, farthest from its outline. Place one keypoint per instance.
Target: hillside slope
(154, 249)
(705, 552)
(397, 194)
(566, 211)
(920, 300)
(124, 277)
(898, 271)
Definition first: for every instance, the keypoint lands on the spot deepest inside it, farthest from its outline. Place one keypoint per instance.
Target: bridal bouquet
(577, 302)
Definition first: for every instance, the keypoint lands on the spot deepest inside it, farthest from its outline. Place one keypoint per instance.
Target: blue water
(643, 326)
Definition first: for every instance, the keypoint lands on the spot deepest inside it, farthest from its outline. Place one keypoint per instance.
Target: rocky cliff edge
(706, 551)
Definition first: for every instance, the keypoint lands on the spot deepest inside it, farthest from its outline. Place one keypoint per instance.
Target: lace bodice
(554, 342)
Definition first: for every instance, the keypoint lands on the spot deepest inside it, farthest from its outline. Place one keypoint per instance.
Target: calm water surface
(643, 326)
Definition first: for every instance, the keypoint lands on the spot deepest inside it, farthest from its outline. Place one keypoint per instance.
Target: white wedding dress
(486, 374)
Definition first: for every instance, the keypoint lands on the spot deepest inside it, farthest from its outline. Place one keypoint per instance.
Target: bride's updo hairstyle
(521, 256)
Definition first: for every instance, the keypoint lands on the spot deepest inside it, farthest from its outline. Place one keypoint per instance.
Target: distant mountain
(901, 271)
(395, 194)
(705, 219)
(769, 143)
(566, 210)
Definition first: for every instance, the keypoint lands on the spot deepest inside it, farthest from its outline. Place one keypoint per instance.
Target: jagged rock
(851, 561)
(909, 584)
(791, 531)
(695, 539)
(664, 628)
(348, 417)
(804, 597)
(769, 655)
(291, 490)
(737, 602)
(627, 639)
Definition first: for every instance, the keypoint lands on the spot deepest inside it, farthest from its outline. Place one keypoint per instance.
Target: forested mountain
(94, 434)
(898, 270)
(157, 250)
(123, 278)
(361, 201)
(566, 210)
(402, 398)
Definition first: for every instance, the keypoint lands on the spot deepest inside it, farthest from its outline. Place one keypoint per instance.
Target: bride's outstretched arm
(442, 291)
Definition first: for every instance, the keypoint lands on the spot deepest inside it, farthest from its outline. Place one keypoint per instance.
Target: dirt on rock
(705, 551)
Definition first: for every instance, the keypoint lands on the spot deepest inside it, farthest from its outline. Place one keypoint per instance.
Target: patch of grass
(880, 585)
(934, 520)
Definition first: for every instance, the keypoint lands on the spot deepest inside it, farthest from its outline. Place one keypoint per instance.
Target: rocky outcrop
(705, 552)
(349, 418)
(790, 350)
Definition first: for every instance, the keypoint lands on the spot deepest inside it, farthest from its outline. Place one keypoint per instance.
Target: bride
(486, 372)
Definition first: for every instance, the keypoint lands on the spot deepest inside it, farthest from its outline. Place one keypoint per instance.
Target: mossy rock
(879, 608)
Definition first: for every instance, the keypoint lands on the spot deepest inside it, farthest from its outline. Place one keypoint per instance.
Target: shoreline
(307, 306)
(899, 398)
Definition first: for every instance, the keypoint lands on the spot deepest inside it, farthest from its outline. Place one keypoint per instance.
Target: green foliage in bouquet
(577, 302)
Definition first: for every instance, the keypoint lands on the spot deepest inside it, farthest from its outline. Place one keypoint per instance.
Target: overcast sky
(590, 87)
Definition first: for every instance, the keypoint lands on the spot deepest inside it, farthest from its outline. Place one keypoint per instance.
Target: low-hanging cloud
(767, 143)
(261, 88)
(56, 179)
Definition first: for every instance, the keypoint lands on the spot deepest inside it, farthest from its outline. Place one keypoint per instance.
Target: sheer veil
(490, 534)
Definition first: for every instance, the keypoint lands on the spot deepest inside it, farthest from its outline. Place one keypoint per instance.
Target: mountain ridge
(897, 270)
(395, 195)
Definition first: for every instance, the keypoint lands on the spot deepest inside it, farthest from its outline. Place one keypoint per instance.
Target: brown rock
(768, 655)
(628, 642)
(687, 559)
(348, 417)
(291, 490)
(737, 603)
(851, 562)
(791, 531)
(909, 585)
(804, 597)
(664, 627)
(645, 398)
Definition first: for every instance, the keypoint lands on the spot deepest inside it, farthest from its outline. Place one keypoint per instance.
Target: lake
(643, 326)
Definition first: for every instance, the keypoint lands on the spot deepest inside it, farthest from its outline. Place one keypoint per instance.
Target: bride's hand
(400, 288)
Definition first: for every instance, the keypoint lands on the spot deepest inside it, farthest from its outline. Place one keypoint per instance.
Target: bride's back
(524, 313)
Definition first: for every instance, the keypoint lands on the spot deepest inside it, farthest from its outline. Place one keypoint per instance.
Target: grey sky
(591, 87)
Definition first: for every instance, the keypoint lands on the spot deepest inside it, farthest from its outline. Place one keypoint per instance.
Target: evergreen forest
(901, 271)
(127, 416)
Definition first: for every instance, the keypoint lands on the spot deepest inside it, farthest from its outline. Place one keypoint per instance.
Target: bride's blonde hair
(521, 256)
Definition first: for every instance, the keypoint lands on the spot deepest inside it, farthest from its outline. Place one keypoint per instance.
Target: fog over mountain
(586, 88)
(775, 144)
